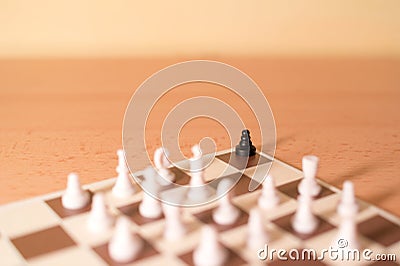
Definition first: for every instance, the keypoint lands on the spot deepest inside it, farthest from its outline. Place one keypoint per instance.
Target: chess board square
(242, 163)
(57, 207)
(181, 178)
(146, 252)
(206, 218)
(213, 170)
(233, 258)
(112, 201)
(68, 256)
(25, 218)
(132, 211)
(77, 228)
(154, 233)
(218, 169)
(285, 223)
(201, 208)
(281, 172)
(327, 208)
(41, 242)
(290, 189)
(242, 185)
(249, 201)
(380, 230)
(9, 255)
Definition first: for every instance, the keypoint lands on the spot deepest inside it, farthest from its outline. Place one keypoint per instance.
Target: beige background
(130, 28)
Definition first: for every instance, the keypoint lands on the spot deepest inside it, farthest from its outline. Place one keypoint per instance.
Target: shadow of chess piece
(245, 147)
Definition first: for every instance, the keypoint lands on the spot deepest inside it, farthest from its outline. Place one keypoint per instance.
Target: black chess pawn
(245, 146)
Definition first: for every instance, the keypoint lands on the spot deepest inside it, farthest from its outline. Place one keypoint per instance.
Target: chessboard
(39, 231)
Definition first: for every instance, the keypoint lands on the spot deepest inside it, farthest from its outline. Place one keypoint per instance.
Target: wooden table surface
(59, 116)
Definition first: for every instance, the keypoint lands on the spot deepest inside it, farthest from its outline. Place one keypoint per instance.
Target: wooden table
(59, 116)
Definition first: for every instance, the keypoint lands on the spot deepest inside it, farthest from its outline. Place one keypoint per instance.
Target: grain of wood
(59, 116)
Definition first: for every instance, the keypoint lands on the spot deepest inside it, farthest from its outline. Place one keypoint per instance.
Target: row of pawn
(125, 246)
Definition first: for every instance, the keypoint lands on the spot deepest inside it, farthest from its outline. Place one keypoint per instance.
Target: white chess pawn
(174, 227)
(124, 246)
(347, 234)
(162, 164)
(304, 221)
(310, 166)
(209, 252)
(256, 234)
(269, 198)
(348, 204)
(198, 192)
(99, 220)
(74, 196)
(123, 187)
(150, 207)
(226, 213)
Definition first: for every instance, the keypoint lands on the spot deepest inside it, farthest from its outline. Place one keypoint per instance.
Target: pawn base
(245, 152)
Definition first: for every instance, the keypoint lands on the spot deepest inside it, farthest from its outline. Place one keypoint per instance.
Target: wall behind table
(131, 28)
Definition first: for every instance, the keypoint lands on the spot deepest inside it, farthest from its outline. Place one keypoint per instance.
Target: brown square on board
(146, 252)
(241, 187)
(285, 223)
(41, 242)
(380, 230)
(56, 206)
(241, 163)
(206, 218)
(181, 177)
(132, 211)
(233, 258)
(290, 189)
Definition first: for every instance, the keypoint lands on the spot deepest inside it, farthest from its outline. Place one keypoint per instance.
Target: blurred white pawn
(174, 227)
(99, 219)
(310, 166)
(124, 246)
(162, 164)
(347, 205)
(74, 196)
(347, 210)
(304, 221)
(269, 198)
(150, 207)
(226, 213)
(209, 252)
(123, 187)
(197, 190)
(347, 234)
(256, 234)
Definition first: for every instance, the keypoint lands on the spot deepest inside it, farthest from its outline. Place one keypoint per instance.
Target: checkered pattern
(40, 232)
